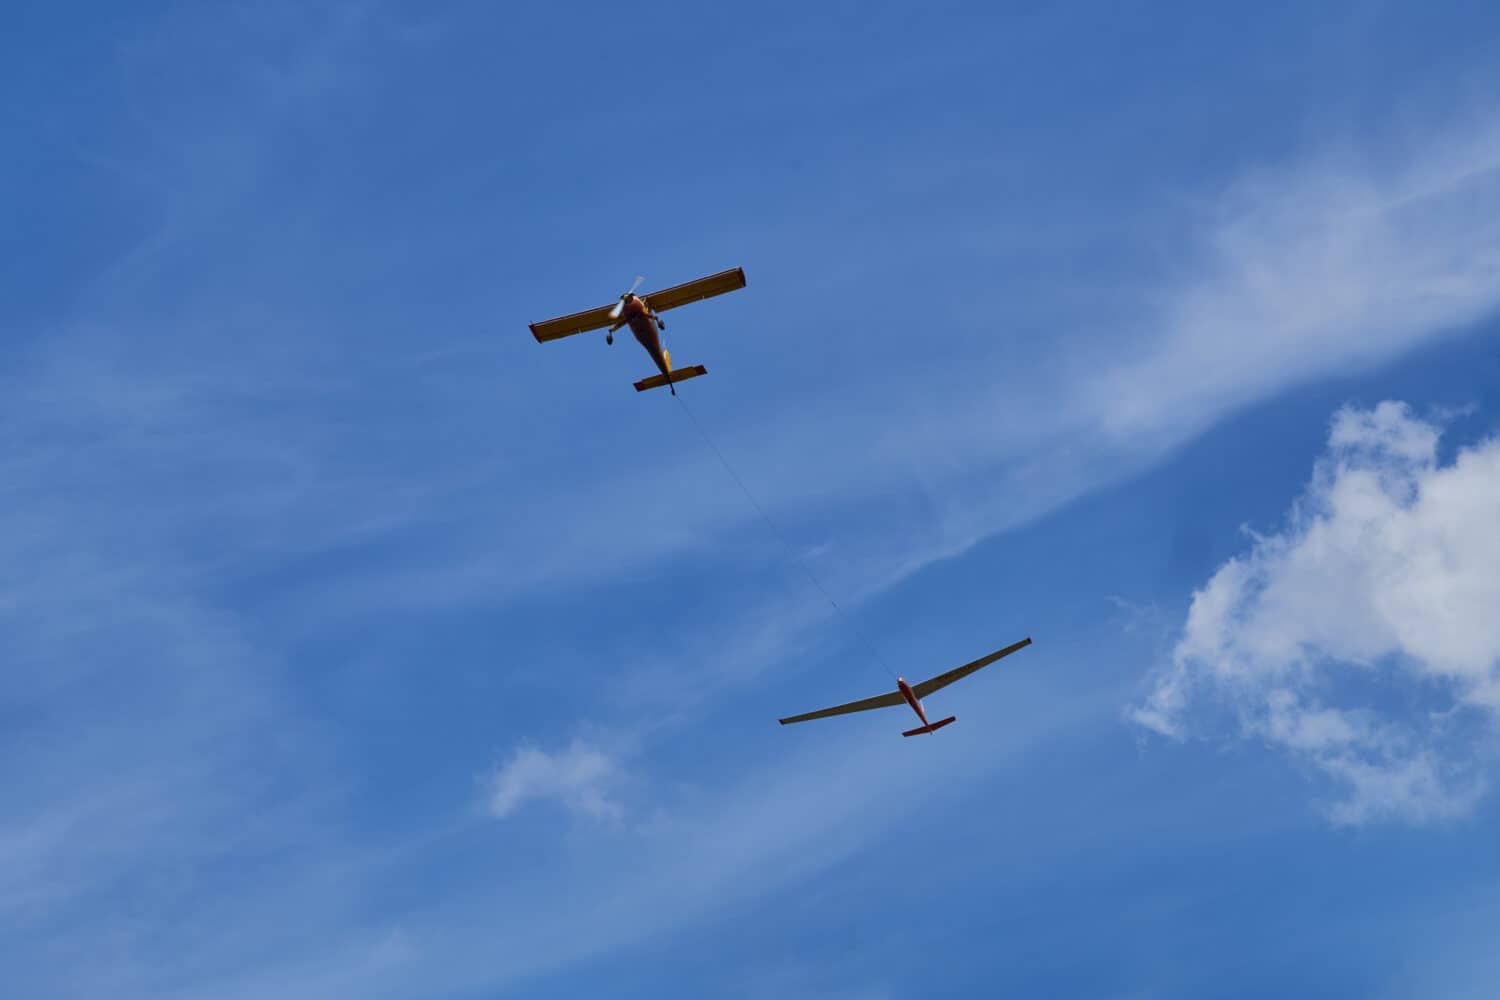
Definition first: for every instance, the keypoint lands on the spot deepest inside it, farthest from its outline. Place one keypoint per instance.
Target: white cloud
(576, 777)
(1363, 638)
(1337, 263)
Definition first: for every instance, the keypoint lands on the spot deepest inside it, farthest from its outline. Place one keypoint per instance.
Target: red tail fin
(932, 728)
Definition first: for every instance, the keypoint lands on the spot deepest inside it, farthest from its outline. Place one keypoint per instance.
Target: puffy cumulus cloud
(1363, 639)
(576, 776)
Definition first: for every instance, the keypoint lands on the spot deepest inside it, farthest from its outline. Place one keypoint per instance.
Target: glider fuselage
(911, 699)
(916, 706)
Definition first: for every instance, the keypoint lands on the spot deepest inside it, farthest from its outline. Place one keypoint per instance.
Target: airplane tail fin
(678, 375)
(934, 727)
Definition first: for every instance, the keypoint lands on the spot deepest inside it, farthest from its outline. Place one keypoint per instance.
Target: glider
(642, 314)
(913, 694)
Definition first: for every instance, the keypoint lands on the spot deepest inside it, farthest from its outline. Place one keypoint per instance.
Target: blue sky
(356, 645)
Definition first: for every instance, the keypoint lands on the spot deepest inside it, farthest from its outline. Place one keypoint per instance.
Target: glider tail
(934, 727)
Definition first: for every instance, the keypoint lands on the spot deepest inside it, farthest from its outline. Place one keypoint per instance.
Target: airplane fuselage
(643, 325)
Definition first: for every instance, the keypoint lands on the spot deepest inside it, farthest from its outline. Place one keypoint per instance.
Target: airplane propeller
(615, 312)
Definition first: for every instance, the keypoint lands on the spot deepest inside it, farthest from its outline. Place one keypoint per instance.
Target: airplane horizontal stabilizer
(678, 375)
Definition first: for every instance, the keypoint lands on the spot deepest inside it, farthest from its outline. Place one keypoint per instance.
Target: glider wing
(880, 701)
(926, 688)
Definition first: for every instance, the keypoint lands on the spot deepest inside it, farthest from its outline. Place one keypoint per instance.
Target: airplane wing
(879, 701)
(694, 291)
(668, 298)
(926, 688)
(566, 326)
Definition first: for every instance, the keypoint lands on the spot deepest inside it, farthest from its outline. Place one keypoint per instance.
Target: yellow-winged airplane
(642, 314)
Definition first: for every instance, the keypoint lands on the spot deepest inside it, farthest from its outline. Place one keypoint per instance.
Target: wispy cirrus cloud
(1313, 267)
(1361, 638)
(1321, 268)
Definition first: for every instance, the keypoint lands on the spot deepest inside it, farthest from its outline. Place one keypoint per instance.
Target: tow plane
(912, 694)
(642, 313)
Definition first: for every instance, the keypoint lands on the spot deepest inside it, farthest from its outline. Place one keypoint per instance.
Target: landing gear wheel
(609, 338)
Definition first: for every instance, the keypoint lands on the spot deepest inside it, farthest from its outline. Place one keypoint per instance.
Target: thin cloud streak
(1308, 270)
